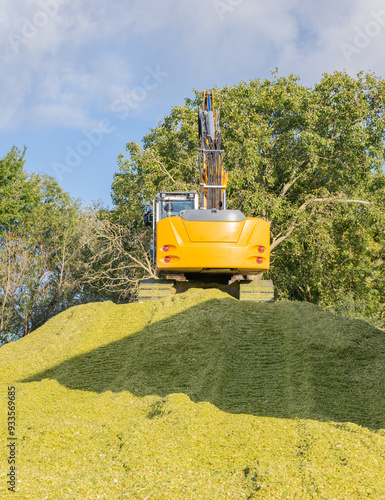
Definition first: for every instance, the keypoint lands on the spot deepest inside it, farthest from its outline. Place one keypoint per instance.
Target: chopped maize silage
(198, 396)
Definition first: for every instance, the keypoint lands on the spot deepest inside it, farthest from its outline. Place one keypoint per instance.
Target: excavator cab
(168, 204)
(171, 204)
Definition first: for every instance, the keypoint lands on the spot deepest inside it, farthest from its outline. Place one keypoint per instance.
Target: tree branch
(287, 186)
(294, 224)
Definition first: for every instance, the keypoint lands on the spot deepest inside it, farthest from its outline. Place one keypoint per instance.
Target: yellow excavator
(197, 242)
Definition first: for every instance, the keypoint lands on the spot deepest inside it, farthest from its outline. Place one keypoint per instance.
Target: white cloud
(64, 62)
(53, 57)
(334, 27)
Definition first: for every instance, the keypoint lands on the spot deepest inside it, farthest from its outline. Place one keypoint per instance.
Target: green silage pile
(198, 396)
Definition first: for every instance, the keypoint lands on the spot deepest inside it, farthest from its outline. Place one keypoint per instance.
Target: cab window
(176, 205)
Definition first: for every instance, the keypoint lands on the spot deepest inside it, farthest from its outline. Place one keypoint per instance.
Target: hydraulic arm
(212, 176)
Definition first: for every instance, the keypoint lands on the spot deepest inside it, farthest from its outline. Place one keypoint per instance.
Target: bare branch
(119, 258)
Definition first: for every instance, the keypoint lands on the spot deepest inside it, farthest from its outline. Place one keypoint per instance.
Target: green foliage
(18, 196)
(309, 160)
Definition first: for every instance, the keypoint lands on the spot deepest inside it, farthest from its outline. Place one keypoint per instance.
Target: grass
(198, 396)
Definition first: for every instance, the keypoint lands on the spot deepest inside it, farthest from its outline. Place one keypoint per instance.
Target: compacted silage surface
(198, 396)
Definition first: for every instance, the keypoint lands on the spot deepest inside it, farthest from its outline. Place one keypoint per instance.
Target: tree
(308, 159)
(42, 243)
(18, 195)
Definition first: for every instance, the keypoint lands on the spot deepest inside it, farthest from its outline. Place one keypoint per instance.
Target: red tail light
(261, 249)
(259, 260)
(165, 248)
(167, 260)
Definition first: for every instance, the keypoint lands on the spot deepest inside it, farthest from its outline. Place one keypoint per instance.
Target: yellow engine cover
(196, 246)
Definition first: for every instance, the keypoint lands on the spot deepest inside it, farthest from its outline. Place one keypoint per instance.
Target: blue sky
(81, 78)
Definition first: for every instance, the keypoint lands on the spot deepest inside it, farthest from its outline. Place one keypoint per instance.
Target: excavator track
(252, 290)
(256, 291)
(154, 289)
